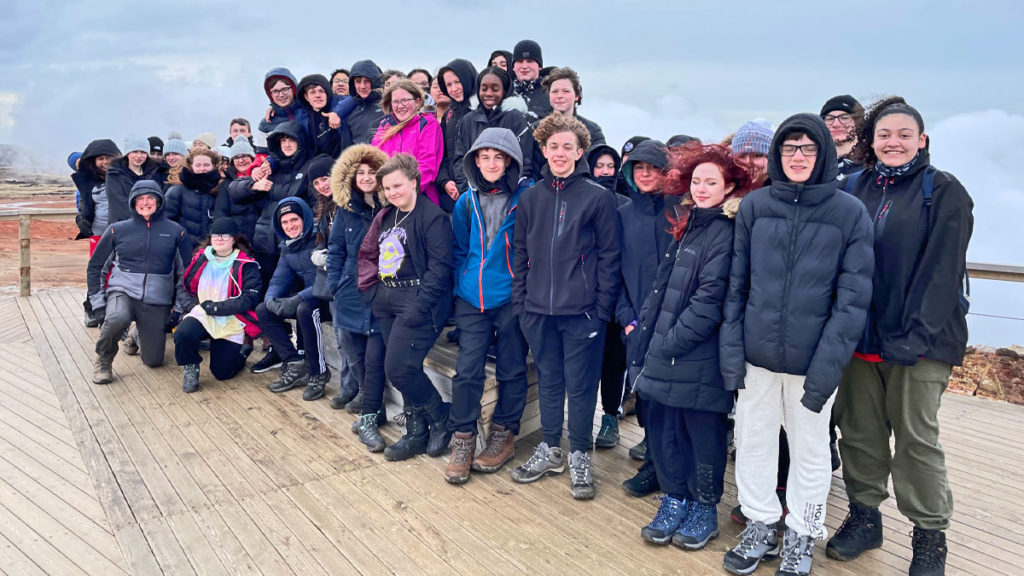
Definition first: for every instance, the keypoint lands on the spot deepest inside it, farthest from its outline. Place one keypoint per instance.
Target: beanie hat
(207, 138)
(224, 225)
(224, 151)
(175, 146)
(631, 143)
(241, 147)
(174, 135)
(319, 167)
(844, 102)
(527, 50)
(680, 140)
(156, 144)
(753, 137)
(135, 143)
(73, 159)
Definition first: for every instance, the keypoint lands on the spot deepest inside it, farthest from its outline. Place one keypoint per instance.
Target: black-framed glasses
(403, 102)
(805, 149)
(844, 119)
(280, 91)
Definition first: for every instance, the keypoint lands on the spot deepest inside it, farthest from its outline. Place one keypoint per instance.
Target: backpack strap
(928, 186)
(851, 181)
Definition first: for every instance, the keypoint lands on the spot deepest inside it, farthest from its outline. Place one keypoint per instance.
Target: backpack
(927, 194)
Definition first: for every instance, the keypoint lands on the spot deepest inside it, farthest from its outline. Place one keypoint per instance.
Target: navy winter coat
(191, 203)
(510, 114)
(294, 268)
(364, 119)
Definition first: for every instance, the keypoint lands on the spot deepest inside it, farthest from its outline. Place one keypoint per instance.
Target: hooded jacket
(353, 219)
(422, 139)
(243, 289)
(147, 257)
(800, 281)
(90, 221)
(363, 121)
(595, 152)
(920, 260)
(294, 269)
(483, 274)
(288, 178)
(324, 139)
(466, 73)
(120, 180)
(191, 203)
(676, 337)
(293, 113)
(645, 235)
(566, 247)
(510, 114)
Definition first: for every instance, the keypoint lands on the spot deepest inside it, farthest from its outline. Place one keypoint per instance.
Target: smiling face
(366, 179)
(145, 205)
(201, 164)
(339, 84)
(707, 186)
(897, 139)
(103, 162)
(242, 162)
(526, 69)
(363, 86)
(562, 96)
(400, 190)
(492, 163)
(562, 150)
(799, 166)
(453, 85)
(291, 223)
(604, 166)
(223, 244)
(404, 104)
(492, 92)
(289, 146)
(435, 92)
(237, 130)
(137, 158)
(281, 94)
(173, 159)
(316, 96)
(647, 177)
(322, 185)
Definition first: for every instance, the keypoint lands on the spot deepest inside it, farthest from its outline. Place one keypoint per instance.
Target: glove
(84, 228)
(319, 258)
(210, 307)
(284, 307)
(100, 314)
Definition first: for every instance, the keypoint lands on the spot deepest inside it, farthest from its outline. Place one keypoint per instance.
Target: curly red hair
(684, 160)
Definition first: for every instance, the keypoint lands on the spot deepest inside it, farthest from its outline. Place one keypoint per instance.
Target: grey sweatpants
(150, 320)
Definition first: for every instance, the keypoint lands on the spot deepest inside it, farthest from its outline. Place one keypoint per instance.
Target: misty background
(74, 72)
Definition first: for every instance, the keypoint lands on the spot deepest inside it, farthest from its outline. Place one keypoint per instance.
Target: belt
(400, 283)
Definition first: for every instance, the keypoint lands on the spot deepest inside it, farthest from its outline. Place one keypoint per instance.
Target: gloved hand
(319, 258)
(84, 227)
(284, 307)
(100, 314)
(210, 307)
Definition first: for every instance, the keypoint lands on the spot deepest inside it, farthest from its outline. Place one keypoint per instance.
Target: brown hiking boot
(102, 373)
(463, 447)
(501, 447)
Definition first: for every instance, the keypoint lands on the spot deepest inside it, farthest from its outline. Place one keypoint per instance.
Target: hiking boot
(130, 345)
(644, 482)
(860, 531)
(90, 320)
(190, 382)
(102, 372)
(355, 405)
(269, 361)
(581, 480)
(345, 395)
(382, 419)
(608, 437)
(316, 385)
(292, 374)
(929, 553)
(637, 452)
(463, 447)
(368, 433)
(797, 554)
(700, 526)
(670, 516)
(500, 448)
(544, 461)
(437, 424)
(757, 542)
(415, 439)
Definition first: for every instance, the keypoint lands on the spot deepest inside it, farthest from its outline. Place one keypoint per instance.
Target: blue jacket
(294, 267)
(322, 138)
(483, 276)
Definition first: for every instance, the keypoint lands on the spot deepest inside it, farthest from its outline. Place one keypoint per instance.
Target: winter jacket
(566, 247)
(676, 337)
(363, 121)
(289, 180)
(422, 139)
(847, 167)
(245, 215)
(352, 220)
(429, 242)
(324, 139)
(120, 180)
(535, 96)
(90, 221)
(191, 203)
(466, 73)
(147, 257)
(293, 113)
(920, 260)
(294, 268)
(609, 182)
(483, 274)
(800, 281)
(510, 114)
(243, 289)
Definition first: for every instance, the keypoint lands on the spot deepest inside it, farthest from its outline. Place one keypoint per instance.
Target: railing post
(25, 255)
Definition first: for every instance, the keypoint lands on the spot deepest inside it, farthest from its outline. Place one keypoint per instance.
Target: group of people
(804, 279)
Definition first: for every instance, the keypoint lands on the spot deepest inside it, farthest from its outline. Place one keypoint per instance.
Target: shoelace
(793, 552)
(928, 542)
(492, 443)
(751, 536)
(579, 471)
(539, 455)
(694, 519)
(669, 506)
(856, 519)
(461, 450)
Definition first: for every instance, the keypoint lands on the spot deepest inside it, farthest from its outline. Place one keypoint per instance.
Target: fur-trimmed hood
(344, 172)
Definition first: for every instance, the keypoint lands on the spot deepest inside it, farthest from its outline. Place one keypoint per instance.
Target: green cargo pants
(879, 399)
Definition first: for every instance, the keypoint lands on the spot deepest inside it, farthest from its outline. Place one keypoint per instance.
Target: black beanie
(156, 144)
(224, 225)
(631, 143)
(527, 50)
(319, 167)
(844, 102)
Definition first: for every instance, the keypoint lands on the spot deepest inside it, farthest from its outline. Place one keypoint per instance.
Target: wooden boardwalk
(137, 477)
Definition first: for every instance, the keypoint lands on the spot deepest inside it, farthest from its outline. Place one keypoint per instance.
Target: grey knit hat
(241, 147)
(135, 143)
(175, 146)
(753, 137)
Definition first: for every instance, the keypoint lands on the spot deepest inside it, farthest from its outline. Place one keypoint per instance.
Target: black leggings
(613, 369)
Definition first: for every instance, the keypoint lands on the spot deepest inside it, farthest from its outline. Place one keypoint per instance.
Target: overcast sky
(74, 72)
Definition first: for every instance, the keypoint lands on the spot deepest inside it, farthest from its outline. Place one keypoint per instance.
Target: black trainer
(860, 531)
(269, 361)
(316, 385)
(929, 553)
(644, 482)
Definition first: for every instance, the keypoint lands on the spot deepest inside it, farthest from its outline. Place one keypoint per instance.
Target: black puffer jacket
(245, 215)
(191, 203)
(322, 138)
(466, 73)
(295, 272)
(676, 337)
(920, 259)
(363, 121)
(801, 274)
(120, 180)
(86, 180)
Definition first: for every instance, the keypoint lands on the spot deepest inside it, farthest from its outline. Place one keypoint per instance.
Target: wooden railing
(24, 216)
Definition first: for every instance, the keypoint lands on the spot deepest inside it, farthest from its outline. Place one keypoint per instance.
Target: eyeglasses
(844, 119)
(220, 237)
(402, 103)
(281, 91)
(805, 149)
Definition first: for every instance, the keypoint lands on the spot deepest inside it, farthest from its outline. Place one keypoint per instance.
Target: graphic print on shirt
(392, 252)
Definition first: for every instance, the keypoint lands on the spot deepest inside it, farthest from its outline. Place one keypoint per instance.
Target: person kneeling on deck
(223, 284)
(483, 222)
(145, 256)
(294, 225)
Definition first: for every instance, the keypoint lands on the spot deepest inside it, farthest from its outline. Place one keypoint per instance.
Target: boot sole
(265, 369)
(297, 384)
(638, 494)
(102, 381)
(456, 479)
(599, 444)
(771, 554)
(837, 555)
(680, 543)
(551, 472)
(662, 541)
(491, 469)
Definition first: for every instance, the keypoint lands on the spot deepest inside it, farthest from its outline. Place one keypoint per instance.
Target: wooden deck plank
(225, 543)
(201, 554)
(14, 562)
(34, 546)
(56, 453)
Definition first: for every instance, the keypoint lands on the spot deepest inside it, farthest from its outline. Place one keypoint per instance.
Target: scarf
(892, 172)
(202, 183)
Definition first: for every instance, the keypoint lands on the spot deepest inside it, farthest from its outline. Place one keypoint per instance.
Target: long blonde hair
(385, 104)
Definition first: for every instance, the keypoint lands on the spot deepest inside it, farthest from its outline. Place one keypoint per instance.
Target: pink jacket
(422, 138)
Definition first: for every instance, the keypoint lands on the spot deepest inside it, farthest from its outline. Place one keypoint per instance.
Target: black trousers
(688, 450)
(408, 337)
(613, 369)
(307, 316)
(226, 358)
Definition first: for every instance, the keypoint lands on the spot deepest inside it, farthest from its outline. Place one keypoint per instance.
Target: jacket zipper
(145, 275)
(556, 184)
(483, 249)
(785, 287)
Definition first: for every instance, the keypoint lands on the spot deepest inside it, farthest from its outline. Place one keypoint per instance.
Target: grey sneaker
(545, 460)
(797, 553)
(757, 542)
(130, 346)
(581, 481)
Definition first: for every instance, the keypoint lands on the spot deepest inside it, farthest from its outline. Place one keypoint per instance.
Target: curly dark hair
(863, 151)
(684, 160)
